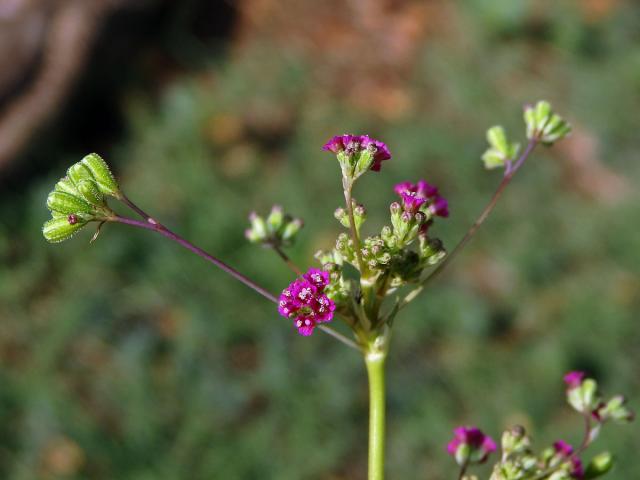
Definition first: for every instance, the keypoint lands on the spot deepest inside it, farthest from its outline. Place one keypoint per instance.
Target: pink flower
(577, 470)
(416, 195)
(574, 379)
(563, 448)
(304, 301)
(354, 144)
(481, 445)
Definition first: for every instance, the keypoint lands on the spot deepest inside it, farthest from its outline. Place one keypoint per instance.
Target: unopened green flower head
(79, 198)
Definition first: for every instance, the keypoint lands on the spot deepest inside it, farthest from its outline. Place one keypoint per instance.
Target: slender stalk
(509, 174)
(338, 336)
(463, 470)
(155, 226)
(292, 266)
(375, 370)
(352, 224)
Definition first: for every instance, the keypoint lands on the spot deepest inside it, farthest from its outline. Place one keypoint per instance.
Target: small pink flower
(563, 448)
(574, 379)
(577, 470)
(304, 301)
(479, 443)
(422, 193)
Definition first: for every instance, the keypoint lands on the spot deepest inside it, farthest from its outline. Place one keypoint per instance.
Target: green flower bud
(291, 229)
(515, 441)
(584, 398)
(341, 215)
(78, 172)
(501, 150)
(615, 409)
(599, 465)
(544, 125)
(359, 215)
(89, 190)
(102, 174)
(67, 186)
(275, 219)
(59, 229)
(65, 203)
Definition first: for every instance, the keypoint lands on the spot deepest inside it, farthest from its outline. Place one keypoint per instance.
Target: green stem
(352, 225)
(375, 370)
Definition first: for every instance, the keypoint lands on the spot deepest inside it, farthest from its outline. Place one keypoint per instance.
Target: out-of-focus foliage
(132, 359)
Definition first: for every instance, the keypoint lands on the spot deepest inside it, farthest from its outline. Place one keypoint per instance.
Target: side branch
(508, 176)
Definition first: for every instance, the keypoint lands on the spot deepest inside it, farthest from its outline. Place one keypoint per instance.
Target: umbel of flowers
(366, 278)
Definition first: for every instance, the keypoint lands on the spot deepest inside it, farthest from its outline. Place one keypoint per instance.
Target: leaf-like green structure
(59, 229)
(101, 174)
(66, 203)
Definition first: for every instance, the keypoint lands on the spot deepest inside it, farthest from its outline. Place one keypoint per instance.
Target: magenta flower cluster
(565, 450)
(305, 302)
(414, 196)
(354, 144)
(573, 379)
(475, 439)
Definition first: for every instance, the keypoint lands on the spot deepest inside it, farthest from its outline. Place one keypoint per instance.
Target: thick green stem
(375, 370)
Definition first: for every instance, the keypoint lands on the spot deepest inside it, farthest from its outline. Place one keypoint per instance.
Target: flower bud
(341, 215)
(65, 203)
(291, 229)
(599, 465)
(470, 445)
(59, 229)
(89, 191)
(275, 218)
(515, 440)
(615, 409)
(101, 174)
(78, 172)
(258, 231)
(65, 185)
(543, 124)
(581, 394)
(500, 150)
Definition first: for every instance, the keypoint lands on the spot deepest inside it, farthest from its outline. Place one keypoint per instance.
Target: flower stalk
(375, 362)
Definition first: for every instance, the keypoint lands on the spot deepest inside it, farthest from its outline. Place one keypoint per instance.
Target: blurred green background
(132, 359)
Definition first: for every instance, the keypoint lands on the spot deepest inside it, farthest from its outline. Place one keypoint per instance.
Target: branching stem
(150, 223)
(509, 174)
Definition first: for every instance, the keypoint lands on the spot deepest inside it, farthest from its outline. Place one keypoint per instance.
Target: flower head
(305, 302)
(414, 196)
(353, 145)
(565, 451)
(574, 379)
(470, 444)
(563, 448)
(577, 470)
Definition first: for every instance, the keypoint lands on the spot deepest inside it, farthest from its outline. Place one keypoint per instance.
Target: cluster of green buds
(276, 230)
(561, 461)
(80, 198)
(543, 124)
